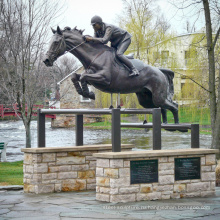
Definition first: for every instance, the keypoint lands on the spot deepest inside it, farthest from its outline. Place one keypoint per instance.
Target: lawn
(11, 173)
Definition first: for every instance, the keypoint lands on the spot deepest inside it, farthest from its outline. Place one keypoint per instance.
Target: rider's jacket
(111, 33)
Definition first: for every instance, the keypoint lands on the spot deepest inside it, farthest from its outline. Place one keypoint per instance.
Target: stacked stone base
(113, 178)
(57, 169)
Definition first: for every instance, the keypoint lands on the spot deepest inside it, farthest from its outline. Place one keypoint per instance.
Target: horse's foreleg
(164, 115)
(86, 92)
(75, 79)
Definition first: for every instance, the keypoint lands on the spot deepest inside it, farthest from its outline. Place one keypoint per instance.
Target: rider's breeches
(122, 47)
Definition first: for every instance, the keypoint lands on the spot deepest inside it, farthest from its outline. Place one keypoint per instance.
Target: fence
(116, 125)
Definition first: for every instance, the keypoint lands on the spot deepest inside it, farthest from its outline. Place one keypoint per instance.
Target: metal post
(194, 135)
(116, 130)
(111, 106)
(41, 128)
(79, 130)
(157, 129)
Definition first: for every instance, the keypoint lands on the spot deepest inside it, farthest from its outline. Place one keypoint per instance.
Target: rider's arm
(106, 38)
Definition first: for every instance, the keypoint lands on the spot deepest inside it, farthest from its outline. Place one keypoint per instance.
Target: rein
(74, 47)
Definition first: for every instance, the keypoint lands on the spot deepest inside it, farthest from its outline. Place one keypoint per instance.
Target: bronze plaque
(187, 168)
(144, 171)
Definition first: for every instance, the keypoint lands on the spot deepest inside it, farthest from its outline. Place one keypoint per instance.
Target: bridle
(55, 53)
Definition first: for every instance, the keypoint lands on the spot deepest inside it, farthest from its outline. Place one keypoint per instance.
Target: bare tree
(24, 25)
(210, 12)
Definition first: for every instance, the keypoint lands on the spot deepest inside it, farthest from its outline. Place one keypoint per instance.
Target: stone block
(168, 179)
(53, 169)
(90, 158)
(105, 190)
(122, 198)
(88, 153)
(29, 188)
(212, 185)
(97, 189)
(194, 187)
(210, 159)
(128, 190)
(41, 168)
(28, 158)
(175, 195)
(193, 194)
(166, 172)
(28, 175)
(44, 188)
(48, 157)
(208, 176)
(112, 173)
(207, 193)
(123, 181)
(89, 181)
(67, 175)
(73, 185)
(149, 196)
(179, 188)
(116, 163)
(99, 172)
(165, 196)
(29, 169)
(124, 172)
(86, 174)
(102, 162)
(202, 161)
(92, 164)
(58, 187)
(102, 197)
(162, 188)
(114, 191)
(166, 166)
(206, 168)
(70, 160)
(37, 158)
(49, 176)
(53, 181)
(91, 186)
(73, 154)
(102, 181)
(126, 163)
(62, 154)
(80, 167)
(146, 188)
(163, 159)
(171, 159)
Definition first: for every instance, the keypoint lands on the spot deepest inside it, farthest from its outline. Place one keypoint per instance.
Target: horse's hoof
(92, 95)
(111, 107)
(144, 122)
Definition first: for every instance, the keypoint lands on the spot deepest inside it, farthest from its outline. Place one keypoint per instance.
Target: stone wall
(56, 169)
(113, 178)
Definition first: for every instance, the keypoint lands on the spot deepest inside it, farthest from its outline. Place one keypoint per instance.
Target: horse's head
(57, 47)
(62, 41)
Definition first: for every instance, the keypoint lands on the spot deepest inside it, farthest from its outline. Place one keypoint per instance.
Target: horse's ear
(75, 28)
(54, 31)
(59, 30)
(81, 31)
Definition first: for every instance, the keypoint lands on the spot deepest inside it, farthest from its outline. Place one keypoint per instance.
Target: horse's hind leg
(164, 115)
(173, 108)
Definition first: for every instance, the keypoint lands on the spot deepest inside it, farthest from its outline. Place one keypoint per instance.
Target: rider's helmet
(96, 19)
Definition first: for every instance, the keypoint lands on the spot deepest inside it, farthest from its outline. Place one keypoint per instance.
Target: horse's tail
(169, 75)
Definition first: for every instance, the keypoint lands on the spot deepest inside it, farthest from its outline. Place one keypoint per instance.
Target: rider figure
(119, 38)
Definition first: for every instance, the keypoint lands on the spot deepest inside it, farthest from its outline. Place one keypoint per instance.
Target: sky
(79, 13)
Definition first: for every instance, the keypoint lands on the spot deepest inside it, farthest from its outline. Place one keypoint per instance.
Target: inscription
(187, 168)
(144, 171)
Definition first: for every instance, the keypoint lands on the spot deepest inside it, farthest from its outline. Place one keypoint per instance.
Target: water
(13, 133)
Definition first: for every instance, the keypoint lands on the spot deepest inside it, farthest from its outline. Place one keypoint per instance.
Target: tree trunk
(214, 112)
(28, 133)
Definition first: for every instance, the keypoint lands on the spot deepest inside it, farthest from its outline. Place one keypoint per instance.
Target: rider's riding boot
(134, 72)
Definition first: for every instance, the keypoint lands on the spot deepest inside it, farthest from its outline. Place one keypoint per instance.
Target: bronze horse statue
(153, 87)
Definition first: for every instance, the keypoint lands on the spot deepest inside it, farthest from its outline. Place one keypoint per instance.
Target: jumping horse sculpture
(153, 87)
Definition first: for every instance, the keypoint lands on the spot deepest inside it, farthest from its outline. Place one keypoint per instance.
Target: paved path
(82, 205)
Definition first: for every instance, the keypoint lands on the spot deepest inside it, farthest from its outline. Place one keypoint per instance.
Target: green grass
(11, 173)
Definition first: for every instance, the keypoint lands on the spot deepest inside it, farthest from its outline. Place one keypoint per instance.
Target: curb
(12, 187)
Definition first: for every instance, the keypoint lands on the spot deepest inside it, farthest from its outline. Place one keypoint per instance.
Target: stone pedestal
(113, 175)
(56, 169)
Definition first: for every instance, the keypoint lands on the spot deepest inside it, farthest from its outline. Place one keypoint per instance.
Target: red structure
(12, 110)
